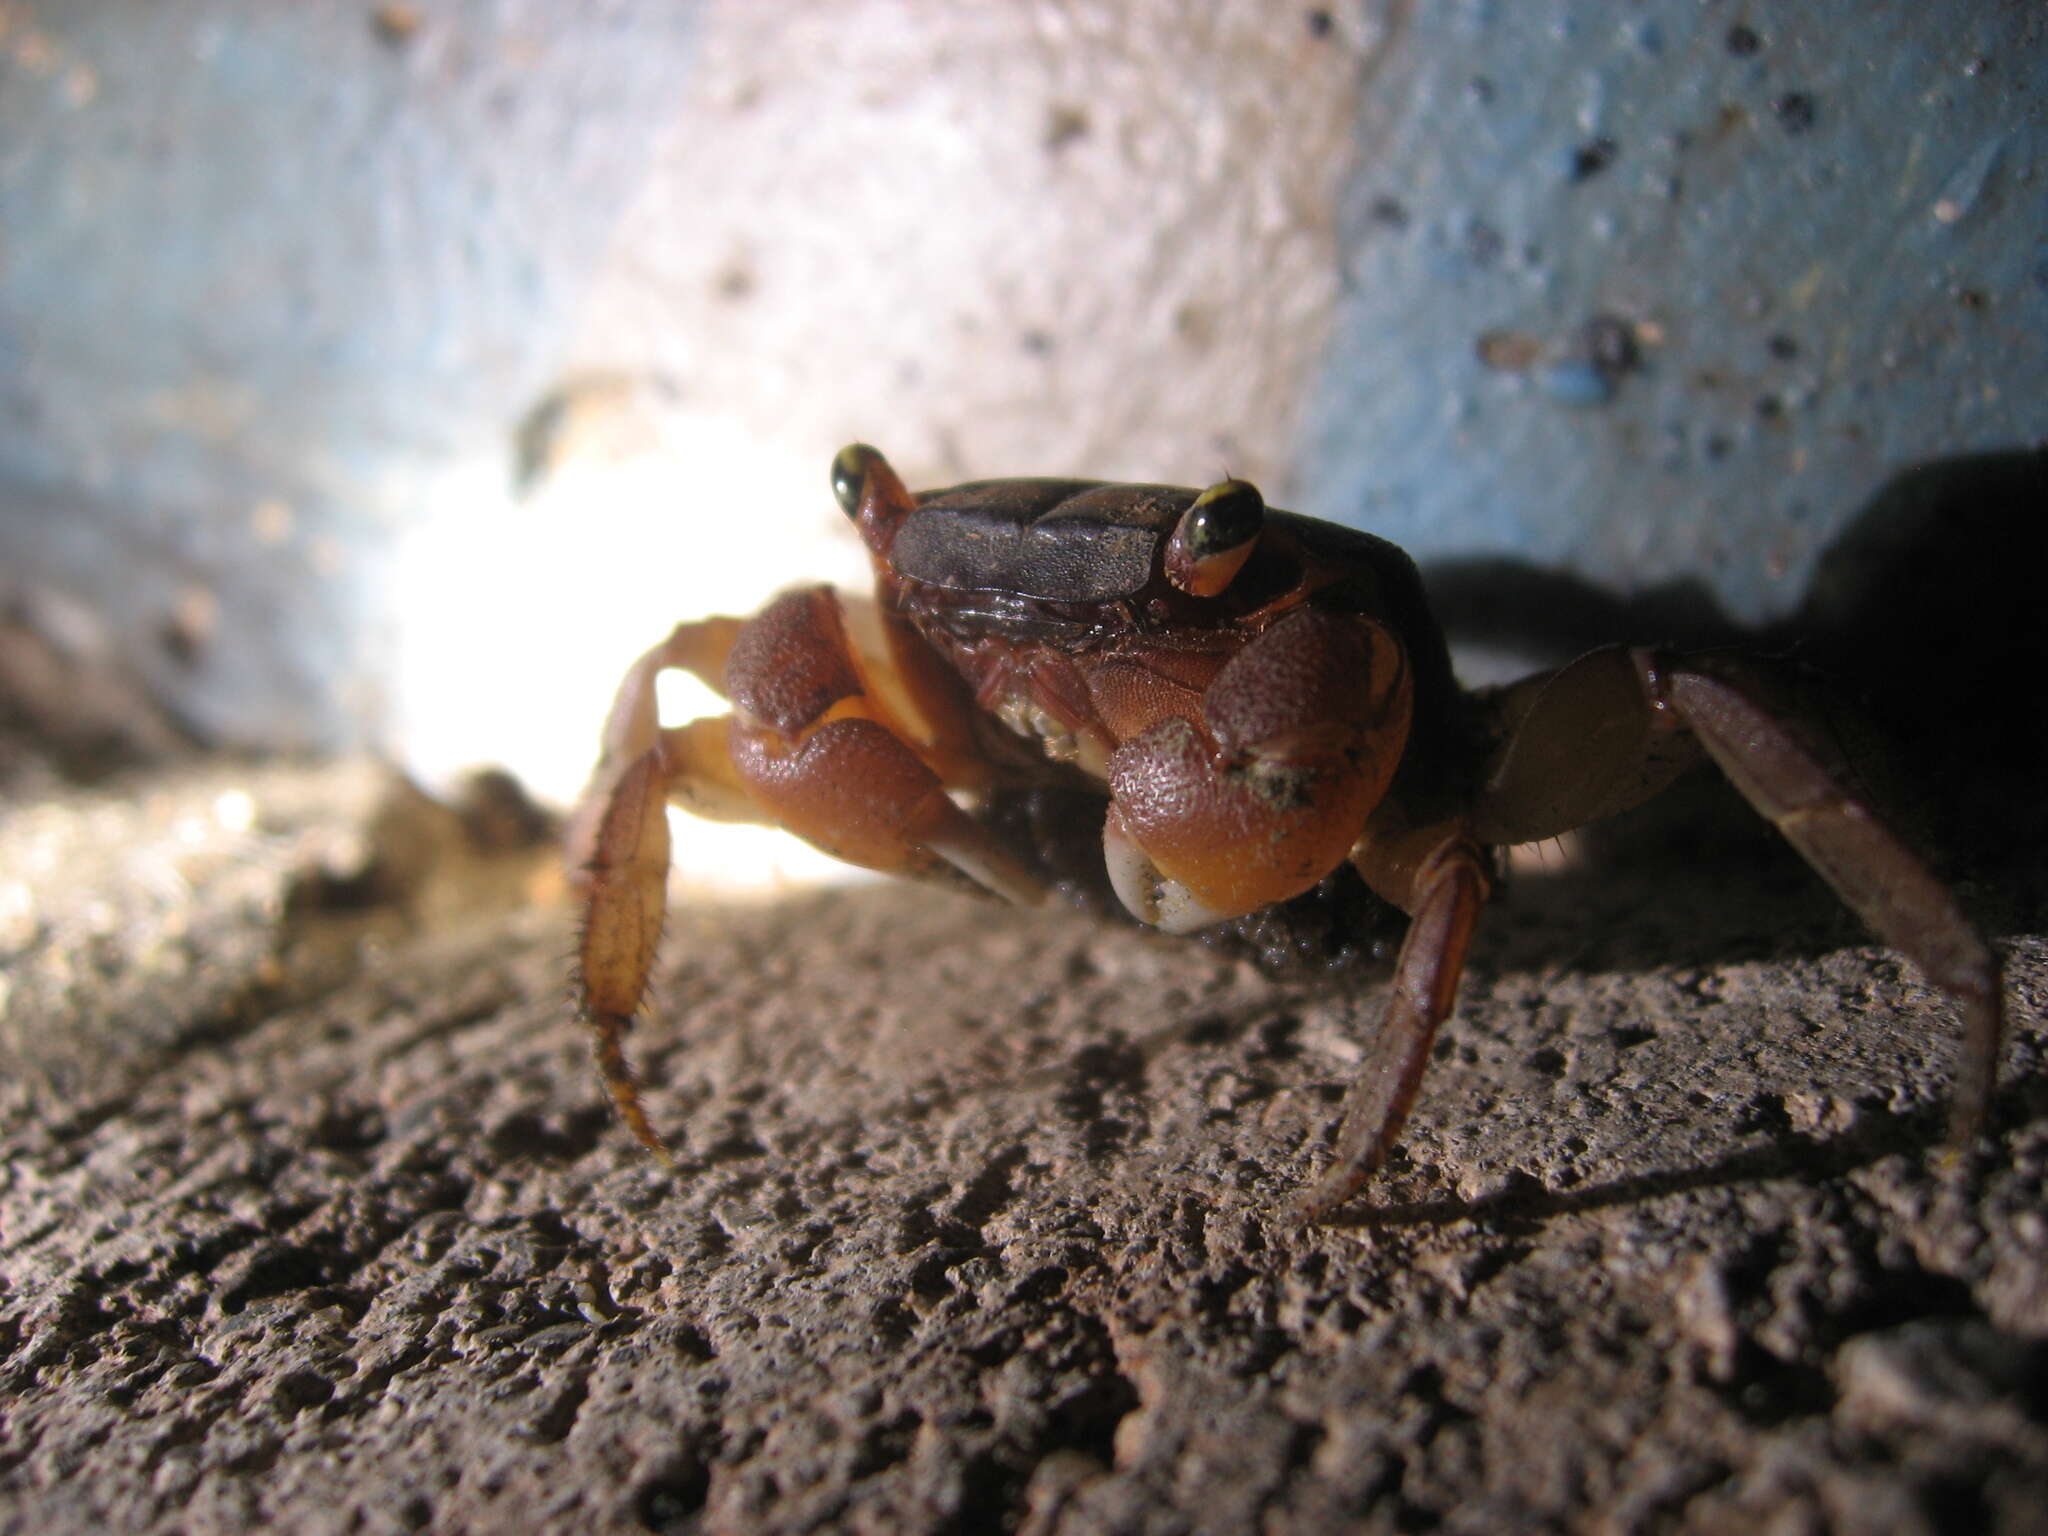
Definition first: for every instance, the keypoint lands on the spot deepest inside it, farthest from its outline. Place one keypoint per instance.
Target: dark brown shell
(1059, 541)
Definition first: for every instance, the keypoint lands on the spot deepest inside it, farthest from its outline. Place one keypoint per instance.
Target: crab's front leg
(1279, 777)
(852, 748)
(1438, 874)
(1610, 729)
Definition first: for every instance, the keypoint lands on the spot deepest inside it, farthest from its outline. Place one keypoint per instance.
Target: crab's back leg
(1610, 729)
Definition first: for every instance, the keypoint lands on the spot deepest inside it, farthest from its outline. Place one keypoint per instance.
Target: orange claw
(1300, 733)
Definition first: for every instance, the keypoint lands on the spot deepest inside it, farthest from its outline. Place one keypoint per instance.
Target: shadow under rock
(1925, 618)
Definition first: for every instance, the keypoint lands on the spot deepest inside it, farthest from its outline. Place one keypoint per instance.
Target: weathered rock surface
(312, 1218)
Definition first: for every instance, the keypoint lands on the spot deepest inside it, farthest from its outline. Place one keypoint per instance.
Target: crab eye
(850, 475)
(1215, 537)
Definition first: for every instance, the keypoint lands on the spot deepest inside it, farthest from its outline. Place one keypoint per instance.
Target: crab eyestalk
(1215, 537)
(869, 492)
(850, 475)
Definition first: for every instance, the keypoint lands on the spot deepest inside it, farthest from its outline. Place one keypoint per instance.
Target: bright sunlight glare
(518, 616)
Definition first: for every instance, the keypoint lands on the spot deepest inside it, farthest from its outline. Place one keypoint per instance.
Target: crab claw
(1148, 895)
(1266, 793)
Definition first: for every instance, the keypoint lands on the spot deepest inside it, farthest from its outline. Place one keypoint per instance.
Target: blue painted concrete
(1634, 289)
(257, 253)
(1824, 226)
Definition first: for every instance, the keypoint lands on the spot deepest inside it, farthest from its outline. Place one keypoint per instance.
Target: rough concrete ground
(312, 1218)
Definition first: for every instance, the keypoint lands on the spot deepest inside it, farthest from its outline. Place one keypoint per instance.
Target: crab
(1250, 699)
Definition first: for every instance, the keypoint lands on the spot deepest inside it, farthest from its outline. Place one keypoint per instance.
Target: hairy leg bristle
(617, 1076)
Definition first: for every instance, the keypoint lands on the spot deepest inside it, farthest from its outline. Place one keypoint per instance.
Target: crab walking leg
(1881, 879)
(802, 751)
(634, 722)
(1445, 894)
(828, 758)
(861, 794)
(617, 847)
(625, 887)
(625, 879)
(1577, 745)
(1612, 728)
